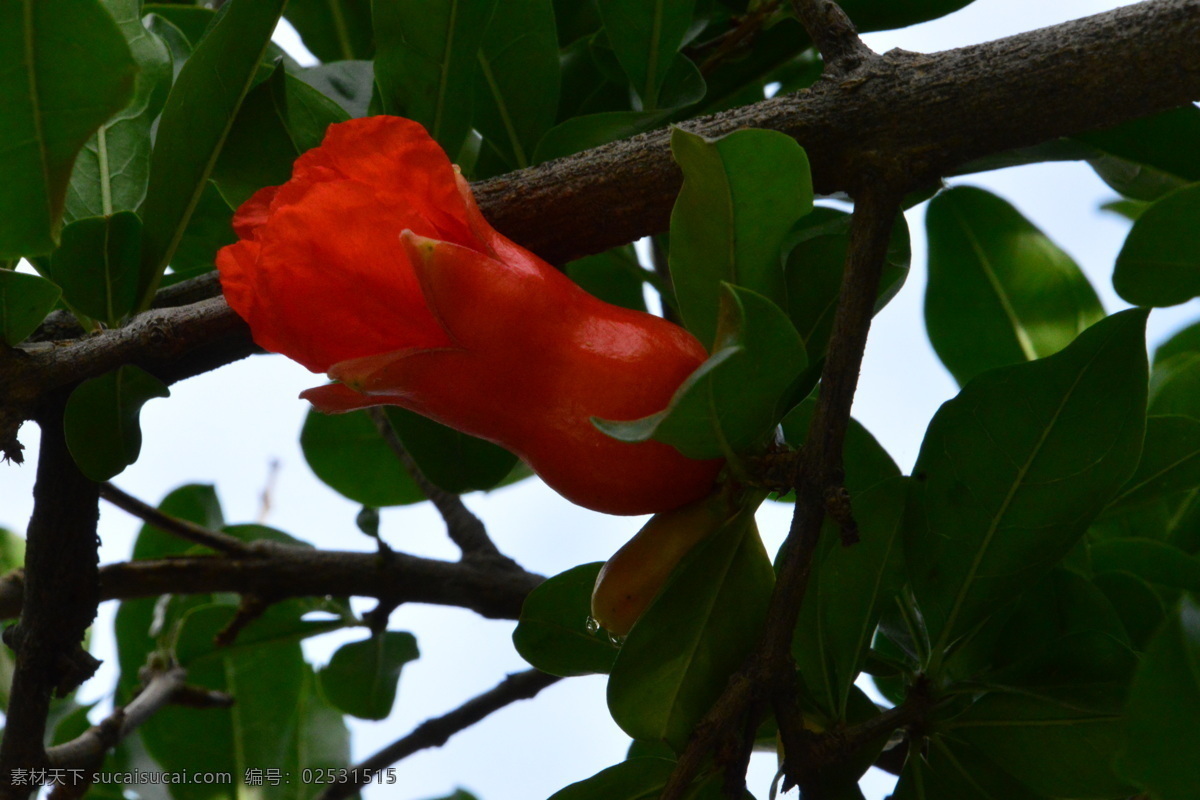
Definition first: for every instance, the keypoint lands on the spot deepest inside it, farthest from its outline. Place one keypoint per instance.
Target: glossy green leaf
(25, 300)
(865, 461)
(814, 273)
(592, 130)
(97, 265)
(1159, 264)
(1161, 141)
(454, 461)
(334, 30)
(1138, 606)
(347, 453)
(677, 658)
(361, 677)
(65, 69)
(101, 420)
(195, 122)
(1170, 462)
(1152, 561)
(1053, 747)
(193, 21)
(1012, 470)
(741, 195)
(646, 36)
(614, 276)
(1161, 735)
(950, 769)
(426, 62)
(731, 402)
(1137, 182)
(516, 89)
(209, 229)
(112, 168)
(280, 118)
(553, 632)
(1000, 292)
(1129, 209)
(268, 683)
(848, 590)
(634, 779)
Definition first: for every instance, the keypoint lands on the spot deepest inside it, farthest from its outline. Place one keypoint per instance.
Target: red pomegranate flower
(373, 264)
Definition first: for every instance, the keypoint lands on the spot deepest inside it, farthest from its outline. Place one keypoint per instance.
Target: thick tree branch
(493, 592)
(59, 601)
(437, 731)
(927, 114)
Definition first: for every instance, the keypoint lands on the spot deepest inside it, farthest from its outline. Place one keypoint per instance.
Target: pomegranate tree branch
(189, 531)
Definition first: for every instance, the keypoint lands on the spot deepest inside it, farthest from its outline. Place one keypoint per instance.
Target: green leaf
(553, 632)
(592, 130)
(334, 30)
(848, 590)
(1161, 141)
(97, 266)
(1053, 747)
(1152, 561)
(268, 683)
(614, 276)
(347, 453)
(634, 779)
(25, 300)
(111, 170)
(319, 740)
(454, 461)
(361, 677)
(516, 89)
(814, 273)
(646, 36)
(1000, 292)
(1139, 607)
(194, 22)
(741, 195)
(1161, 735)
(874, 15)
(195, 122)
(101, 420)
(1012, 470)
(426, 62)
(1159, 264)
(865, 461)
(209, 229)
(1138, 182)
(731, 402)
(1170, 462)
(65, 69)
(347, 83)
(949, 769)
(679, 655)
(280, 118)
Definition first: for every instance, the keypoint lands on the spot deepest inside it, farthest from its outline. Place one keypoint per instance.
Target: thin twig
(464, 528)
(834, 34)
(190, 531)
(437, 731)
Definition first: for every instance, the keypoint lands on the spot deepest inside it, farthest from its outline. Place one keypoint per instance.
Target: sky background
(229, 426)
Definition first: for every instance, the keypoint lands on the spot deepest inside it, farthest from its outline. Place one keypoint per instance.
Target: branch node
(251, 607)
(834, 35)
(837, 506)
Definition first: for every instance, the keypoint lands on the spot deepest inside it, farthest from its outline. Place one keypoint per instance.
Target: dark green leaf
(1162, 141)
(200, 641)
(949, 769)
(194, 22)
(635, 779)
(731, 402)
(593, 130)
(25, 300)
(1159, 264)
(1170, 462)
(101, 420)
(866, 462)
(319, 740)
(614, 276)
(1138, 606)
(425, 63)
(1013, 469)
(1161, 734)
(1129, 209)
(516, 90)
(209, 229)
(553, 632)
(454, 461)
(97, 265)
(1152, 561)
(646, 36)
(65, 69)
(874, 15)
(1000, 292)
(849, 588)
(361, 677)
(1136, 181)
(741, 195)
(195, 122)
(679, 655)
(1054, 748)
(333, 30)
(814, 273)
(347, 452)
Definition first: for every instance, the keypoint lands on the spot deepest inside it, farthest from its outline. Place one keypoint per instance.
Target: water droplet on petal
(616, 640)
(592, 625)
